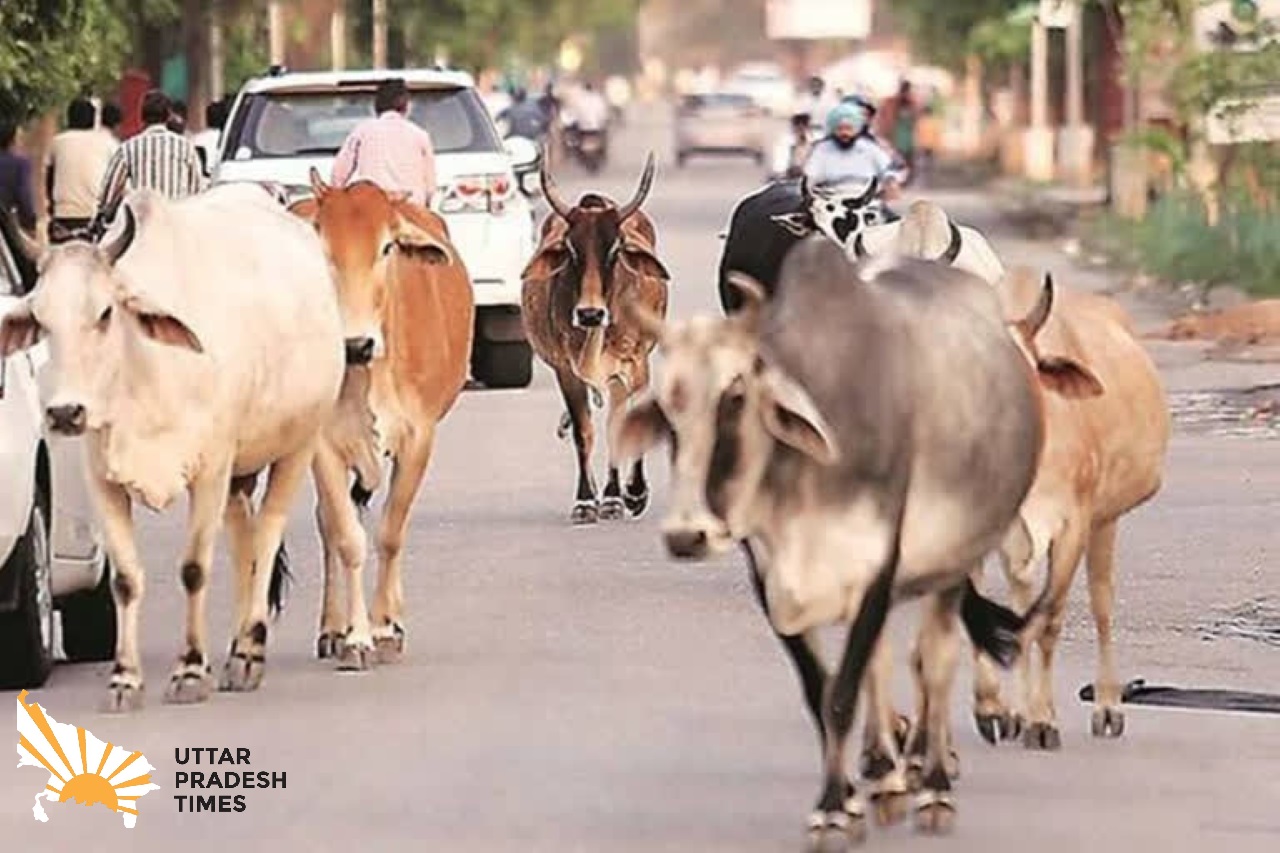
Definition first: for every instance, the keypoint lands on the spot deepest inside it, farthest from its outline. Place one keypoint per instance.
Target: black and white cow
(868, 437)
(767, 223)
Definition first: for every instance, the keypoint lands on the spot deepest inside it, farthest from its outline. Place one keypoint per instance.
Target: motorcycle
(588, 145)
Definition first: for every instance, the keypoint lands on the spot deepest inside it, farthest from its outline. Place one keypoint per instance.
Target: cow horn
(117, 247)
(551, 192)
(859, 250)
(1035, 320)
(753, 297)
(642, 191)
(953, 248)
(318, 186)
(872, 189)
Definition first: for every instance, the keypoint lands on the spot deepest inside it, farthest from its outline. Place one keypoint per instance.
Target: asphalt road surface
(572, 690)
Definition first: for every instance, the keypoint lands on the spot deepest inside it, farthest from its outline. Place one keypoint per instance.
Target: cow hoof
(935, 813)
(1108, 723)
(901, 731)
(838, 830)
(915, 773)
(242, 673)
(388, 643)
(355, 656)
(889, 808)
(327, 645)
(585, 512)
(190, 684)
(612, 509)
(124, 694)
(1042, 736)
(636, 504)
(997, 727)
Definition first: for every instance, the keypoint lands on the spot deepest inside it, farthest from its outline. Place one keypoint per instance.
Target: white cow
(927, 232)
(198, 344)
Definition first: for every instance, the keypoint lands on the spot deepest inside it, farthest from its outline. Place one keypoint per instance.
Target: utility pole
(379, 33)
(1038, 142)
(216, 49)
(338, 35)
(275, 26)
(1077, 142)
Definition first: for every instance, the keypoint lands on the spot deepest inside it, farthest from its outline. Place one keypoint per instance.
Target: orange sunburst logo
(82, 768)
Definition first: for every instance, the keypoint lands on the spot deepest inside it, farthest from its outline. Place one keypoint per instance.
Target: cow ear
(642, 261)
(547, 262)
(799, 224)
(19, 329)
(1068, 378)
(305, 208)
(791, 417)
(416, 240)
(161, 326)
(640, 429)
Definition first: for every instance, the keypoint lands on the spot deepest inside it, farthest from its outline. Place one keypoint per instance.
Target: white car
(50, 551)
(767, 84)
(283, 124)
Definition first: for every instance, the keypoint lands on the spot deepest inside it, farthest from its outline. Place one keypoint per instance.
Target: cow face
(95, 328)
(584, 246)
(1057, 374)
(727, 412)
(364, 230)
(840, 214)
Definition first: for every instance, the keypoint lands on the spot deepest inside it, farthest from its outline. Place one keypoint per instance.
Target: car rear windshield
(293, 124)
(721, 100)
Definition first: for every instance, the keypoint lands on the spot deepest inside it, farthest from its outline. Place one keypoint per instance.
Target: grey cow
(868, 434)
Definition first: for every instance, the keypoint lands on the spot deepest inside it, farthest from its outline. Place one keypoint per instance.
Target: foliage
(1175, 242)
(246, 46)
(942, 30)
(1005, 40)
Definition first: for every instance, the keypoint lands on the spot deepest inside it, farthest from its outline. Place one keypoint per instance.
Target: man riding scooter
(851, 155)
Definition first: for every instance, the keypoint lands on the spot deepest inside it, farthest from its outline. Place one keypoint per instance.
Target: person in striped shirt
(157, 159)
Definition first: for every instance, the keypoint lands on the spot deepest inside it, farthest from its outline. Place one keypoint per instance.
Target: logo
(82, 768)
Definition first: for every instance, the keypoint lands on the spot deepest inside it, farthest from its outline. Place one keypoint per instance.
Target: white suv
(50, 551)
(283, 124)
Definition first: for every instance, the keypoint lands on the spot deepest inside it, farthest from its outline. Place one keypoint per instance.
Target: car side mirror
(524, 154)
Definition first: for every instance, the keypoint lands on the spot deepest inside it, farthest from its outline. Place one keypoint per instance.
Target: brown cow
(1103, 457)
(594, 259)
(408, 311)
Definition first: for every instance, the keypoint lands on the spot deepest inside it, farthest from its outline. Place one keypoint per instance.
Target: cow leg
(246, 661)
(128, 582)
(882, 763)
(837, 808)
(192, 679)
(332, 617)
(345, 544)
(1108, 719)
(636, 495)
(612, 507)
(388, 599)
(995, 720)
(937, 653)
(1064, 556)
(585, 508)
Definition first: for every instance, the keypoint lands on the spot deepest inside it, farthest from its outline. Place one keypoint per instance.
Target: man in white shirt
(74, 169)
(206, 141)
(590, 109)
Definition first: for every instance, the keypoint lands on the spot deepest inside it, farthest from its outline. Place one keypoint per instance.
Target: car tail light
(477, 194)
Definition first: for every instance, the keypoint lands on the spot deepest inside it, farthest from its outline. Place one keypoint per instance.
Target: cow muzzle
(360, 351)
(696, 541)
(590, 318)
(68, 419)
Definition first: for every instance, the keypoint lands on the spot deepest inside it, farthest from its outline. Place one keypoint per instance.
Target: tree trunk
(195, 26)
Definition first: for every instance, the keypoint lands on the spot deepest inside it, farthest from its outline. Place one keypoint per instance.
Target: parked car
(51, 556)
(283, 124)
(720, 123)
(767, 84)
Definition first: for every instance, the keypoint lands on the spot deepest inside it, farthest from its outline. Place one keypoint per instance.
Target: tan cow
(408, 311)
(595, 259)
(1104, 456)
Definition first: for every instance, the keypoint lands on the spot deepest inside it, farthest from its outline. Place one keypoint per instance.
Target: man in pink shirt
(389, 150)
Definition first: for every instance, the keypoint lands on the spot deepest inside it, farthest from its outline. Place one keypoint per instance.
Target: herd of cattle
(880, 408)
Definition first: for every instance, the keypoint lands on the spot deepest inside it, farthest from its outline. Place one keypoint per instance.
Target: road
(572, 690)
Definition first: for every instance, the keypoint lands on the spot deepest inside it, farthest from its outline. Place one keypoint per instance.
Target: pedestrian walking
(16, 196)
(74, 170)
(156, 159)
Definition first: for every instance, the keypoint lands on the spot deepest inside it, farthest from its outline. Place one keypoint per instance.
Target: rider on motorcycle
(524, 117)
(850, 153)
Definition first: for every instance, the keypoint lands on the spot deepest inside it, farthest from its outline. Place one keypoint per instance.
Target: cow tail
(280, 578)
(994, 628)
